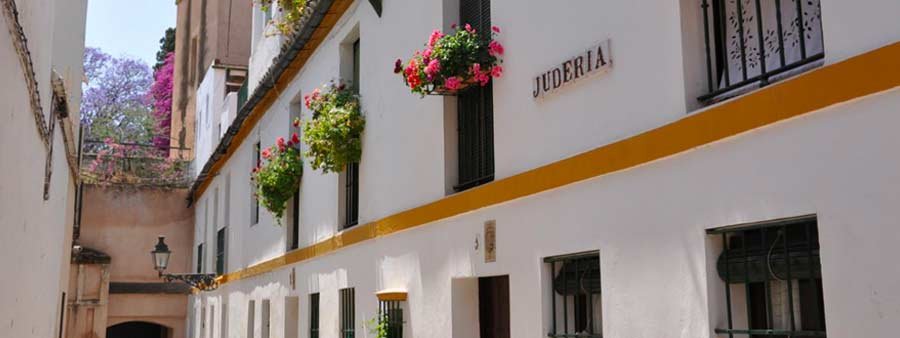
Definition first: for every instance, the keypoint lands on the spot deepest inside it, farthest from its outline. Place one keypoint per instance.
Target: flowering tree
(161, 94)
(115, 103)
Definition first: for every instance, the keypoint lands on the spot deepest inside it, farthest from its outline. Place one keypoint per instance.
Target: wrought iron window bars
(575, 287)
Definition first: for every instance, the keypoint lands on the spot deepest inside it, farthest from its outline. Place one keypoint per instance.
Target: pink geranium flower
(469, 28)
(497, 71)
(452, 83)
(495, 48)
(433, 67)
(495, 29)
(435, 36)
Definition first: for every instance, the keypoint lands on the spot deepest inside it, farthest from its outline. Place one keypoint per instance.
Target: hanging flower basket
(278, 178)
(334, 132)
(453, 62)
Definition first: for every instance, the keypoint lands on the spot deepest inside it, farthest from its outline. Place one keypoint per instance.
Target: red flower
(398, 66)
(497, 71)
(266, 154)
(495, 48)
(453, 25)
(280, 141)
(495, 29)
(295, 139)
(470, 29)
(435, 36)
(297, 122)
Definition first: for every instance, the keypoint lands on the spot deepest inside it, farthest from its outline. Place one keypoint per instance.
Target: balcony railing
(132, 164)
(751, 43)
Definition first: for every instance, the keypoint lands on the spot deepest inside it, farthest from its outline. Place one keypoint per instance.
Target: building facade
(115, 292)
(209, 36)
(41, 49)
(701, 183)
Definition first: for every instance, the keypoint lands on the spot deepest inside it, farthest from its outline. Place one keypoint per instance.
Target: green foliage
(334, 133)
(278, 179)
(378, 326)
(166, 46)
(291, 11)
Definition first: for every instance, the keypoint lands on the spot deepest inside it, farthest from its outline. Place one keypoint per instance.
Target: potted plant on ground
(453, 62)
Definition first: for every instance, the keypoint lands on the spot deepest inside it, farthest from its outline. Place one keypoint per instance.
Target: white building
(600, 208)
(41, 51)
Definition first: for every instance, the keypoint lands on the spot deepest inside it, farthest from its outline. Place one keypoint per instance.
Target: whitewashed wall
(36, 244)
(647, 222)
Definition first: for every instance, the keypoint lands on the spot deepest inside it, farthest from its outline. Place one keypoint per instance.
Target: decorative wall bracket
(199, 281)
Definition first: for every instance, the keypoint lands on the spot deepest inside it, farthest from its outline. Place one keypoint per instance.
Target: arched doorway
(137, 330)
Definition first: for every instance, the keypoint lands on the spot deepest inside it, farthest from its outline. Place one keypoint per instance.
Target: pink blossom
(295, 138)
(495, 29)
(495, 48)
(266, 154)
(452, 83)
(435, 36)
(497, 71)
(427, 54)
(469, 28)
(280, 142)
(453, 25)
(296, 122)
(433, 67)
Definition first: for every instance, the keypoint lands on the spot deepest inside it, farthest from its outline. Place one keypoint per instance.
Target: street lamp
(200, 281)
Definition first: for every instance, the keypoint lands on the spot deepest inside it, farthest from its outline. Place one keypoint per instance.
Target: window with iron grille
(348, 313)
(751, 43)
(390, 313)
(220, 251)
(254, 206)
(475, 111)
(200, 258)
(314, 315)
(351, 174)
(773, 279)
(575, 295)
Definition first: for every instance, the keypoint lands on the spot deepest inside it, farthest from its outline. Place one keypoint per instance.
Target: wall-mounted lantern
(200, 281)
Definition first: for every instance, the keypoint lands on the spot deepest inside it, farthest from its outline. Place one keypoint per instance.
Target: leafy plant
(453, 62)
(291, 12)
(278, 179)
(334, 132)
(378, 326)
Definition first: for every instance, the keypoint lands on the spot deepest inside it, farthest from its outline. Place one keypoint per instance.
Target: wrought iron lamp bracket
(200, 281)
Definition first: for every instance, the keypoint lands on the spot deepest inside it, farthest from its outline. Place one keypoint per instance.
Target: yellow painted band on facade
(862, 75)
(386, 296)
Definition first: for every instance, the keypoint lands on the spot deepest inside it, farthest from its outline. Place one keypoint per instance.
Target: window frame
(392, 312)
(347, 313)
(585, 318)
(786, 231)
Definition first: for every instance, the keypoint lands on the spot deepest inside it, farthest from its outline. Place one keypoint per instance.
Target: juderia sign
(596, 60)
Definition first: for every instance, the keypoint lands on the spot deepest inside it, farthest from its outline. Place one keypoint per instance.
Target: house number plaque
(490, 241)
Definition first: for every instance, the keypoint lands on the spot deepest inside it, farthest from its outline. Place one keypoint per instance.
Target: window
(224, 321)
(348, 309)
(773, 279)
(314, 315)
(351, 174)
(221, 238)
(475, 112)
(575, 295)
(200, 258)
(737, 59)
(254, 206)
(266, 319)
(294, 231)
(391, 313)
(251, 319)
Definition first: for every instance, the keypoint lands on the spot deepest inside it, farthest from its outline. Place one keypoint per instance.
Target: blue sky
(129, 27)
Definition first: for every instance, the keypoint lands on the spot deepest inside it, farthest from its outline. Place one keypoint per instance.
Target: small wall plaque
(490, 241)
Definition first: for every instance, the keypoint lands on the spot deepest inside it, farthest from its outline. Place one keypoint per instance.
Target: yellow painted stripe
(865, 74)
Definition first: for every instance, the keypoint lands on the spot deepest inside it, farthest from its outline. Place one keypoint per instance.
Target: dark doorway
(137, 330)
(493, 306)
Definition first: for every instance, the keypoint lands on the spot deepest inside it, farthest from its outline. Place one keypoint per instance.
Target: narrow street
(449, 168)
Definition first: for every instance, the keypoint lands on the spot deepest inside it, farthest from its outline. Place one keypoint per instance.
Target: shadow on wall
(138, 330)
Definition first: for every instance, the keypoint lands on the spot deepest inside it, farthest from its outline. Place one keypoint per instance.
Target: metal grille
(575, 295)
(220, 251)
(751, 43)
(200, 258)
(391, 313)
(295, 222)
(314, 315)
(254, 207)
(475, 111)
(777, 267)
(351, 195)
(348, 313)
